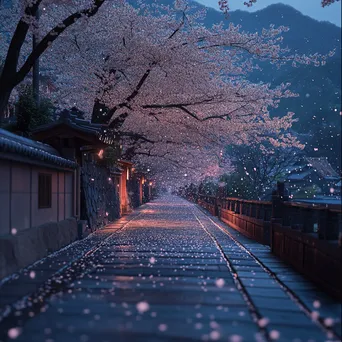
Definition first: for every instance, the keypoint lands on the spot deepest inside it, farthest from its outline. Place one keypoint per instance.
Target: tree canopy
(175, 91)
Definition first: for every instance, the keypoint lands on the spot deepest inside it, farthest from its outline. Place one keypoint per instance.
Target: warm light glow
(100, 154)
(150, 183)
(127, 174)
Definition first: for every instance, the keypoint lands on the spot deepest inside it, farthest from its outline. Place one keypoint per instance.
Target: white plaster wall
(69, 199)
(61, 196)
(19, 205)
(20, 197)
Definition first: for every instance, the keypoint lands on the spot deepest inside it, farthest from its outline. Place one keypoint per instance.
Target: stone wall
(133, 189)
(27, 246)
(100, 197)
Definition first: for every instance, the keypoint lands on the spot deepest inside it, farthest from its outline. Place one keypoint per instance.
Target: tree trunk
(99, 112)
(4, 97)
(10, 76)
(35, 69)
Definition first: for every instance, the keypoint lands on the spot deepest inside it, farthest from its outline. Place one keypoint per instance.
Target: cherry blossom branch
(183, 106)
(52, 36)
(180, 25)
(134, 93)
(18, 39)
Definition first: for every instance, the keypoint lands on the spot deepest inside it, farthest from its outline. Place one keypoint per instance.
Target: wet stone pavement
(167, 272)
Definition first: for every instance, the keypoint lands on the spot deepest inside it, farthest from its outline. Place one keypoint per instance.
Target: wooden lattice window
(44, 190)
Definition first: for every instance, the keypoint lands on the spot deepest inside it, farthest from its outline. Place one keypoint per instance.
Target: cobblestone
(169, 272)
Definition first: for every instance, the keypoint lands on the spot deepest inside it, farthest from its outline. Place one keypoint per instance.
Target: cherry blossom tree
(19, 21)
(174, 91)
(260, 166)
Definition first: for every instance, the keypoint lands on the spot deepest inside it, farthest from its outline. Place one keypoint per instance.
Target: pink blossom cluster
(175, 91)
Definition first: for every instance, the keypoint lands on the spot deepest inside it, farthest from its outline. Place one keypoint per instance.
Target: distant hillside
(306, 34)
(319, 90)
(319, 87)
(319, 103)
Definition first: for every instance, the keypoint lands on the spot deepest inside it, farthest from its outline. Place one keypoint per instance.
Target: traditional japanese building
(38, 202)
(105, 183)
(69, 182)
(97, 184)
(312, 175)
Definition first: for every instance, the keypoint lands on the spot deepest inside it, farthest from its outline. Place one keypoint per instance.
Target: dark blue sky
(311, 8)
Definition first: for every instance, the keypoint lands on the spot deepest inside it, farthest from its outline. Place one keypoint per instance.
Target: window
(44, 190)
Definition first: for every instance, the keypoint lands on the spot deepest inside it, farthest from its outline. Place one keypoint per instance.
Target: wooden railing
(208, 202)
(309, 238)
(305, 235)
(251, 218)
(323, 221)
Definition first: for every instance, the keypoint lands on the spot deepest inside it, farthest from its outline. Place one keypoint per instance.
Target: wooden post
(252, 209)
(308, 220)
(287, 216)
(340, 230)
(329, 225)
(322, 224)
(236, 207)
(297, 214)
(278, 197)
(257, 211)
(219, 198)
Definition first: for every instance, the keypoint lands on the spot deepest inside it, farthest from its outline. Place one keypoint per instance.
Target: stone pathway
(167, 272)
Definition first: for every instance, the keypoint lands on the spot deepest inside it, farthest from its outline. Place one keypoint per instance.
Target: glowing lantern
(100, 154)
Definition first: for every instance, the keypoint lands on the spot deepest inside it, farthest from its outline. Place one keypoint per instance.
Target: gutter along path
(168, 272)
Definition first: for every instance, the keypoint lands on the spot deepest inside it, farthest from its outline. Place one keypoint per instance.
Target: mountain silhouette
(306, 35)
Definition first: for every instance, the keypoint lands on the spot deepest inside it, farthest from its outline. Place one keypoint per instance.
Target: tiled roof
(299, 176)
(297, 168)
(73, 121)
(17, 145)
(101, 131)
(322, 166)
